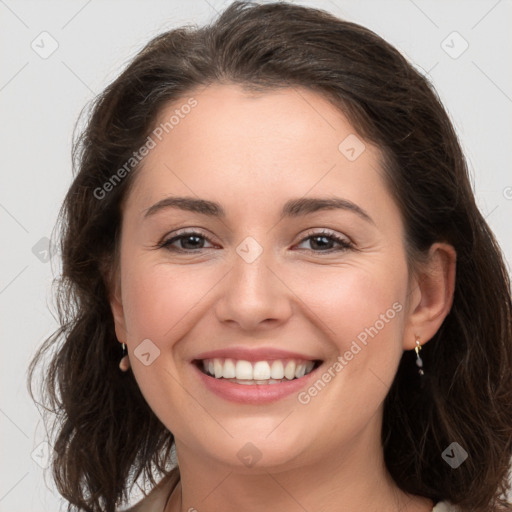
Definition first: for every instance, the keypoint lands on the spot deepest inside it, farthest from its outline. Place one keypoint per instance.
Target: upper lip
(253, 354)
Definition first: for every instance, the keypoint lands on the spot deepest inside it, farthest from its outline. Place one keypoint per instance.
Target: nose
(254, 295)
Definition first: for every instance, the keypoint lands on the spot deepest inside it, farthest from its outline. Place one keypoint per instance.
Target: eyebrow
(292, 208)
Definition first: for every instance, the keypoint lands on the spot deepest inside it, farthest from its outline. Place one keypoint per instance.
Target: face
(264, 276)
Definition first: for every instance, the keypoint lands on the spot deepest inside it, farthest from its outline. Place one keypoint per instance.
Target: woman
(272, 217)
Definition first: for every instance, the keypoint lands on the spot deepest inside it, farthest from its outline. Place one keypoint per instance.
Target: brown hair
(107, 435)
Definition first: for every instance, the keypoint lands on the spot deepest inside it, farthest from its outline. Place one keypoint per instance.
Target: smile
(256, 372)
(255, 382)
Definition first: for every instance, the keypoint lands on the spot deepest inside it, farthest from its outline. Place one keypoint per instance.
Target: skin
(251, 153)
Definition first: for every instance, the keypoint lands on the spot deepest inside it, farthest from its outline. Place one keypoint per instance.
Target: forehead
(234, 143)
(277, 120)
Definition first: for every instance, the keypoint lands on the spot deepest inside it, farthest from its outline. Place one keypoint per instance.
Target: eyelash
(344, 243)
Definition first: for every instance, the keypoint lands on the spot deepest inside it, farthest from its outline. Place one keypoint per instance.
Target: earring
(419, 361)
(124, 364)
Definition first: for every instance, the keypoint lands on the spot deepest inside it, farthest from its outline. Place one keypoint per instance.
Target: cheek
(159, 302)
(354, 301)
(157, 299)
(360, 310)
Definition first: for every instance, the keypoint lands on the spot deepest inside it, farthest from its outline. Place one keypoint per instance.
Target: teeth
(277, 371)
(257, 382)
(289, 370)
(300, 371)
(243, 370)
(229, 369)
(260, 372)
(218, 368)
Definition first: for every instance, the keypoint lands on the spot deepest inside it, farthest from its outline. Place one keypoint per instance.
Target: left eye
(327, 238)
(193, 241)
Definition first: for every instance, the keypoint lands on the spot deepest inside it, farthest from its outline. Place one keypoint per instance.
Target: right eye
(191, 238)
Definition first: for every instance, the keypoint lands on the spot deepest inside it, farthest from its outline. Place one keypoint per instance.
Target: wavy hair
(106, 435)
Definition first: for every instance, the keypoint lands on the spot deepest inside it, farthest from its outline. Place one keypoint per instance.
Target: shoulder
(155, 501)
(445, 506)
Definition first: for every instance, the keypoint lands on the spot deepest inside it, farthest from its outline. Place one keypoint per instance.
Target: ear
(116, 305)
(431, 295)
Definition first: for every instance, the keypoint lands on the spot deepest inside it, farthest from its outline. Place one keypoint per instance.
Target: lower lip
(253, 393)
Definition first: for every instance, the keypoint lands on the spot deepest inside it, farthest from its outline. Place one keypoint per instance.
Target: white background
(40, 100)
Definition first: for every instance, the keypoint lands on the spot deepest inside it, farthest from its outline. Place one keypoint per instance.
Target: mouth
(258, 373)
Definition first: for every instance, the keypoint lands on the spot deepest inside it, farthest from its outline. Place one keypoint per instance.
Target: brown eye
(323, 241)
(188, 242)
